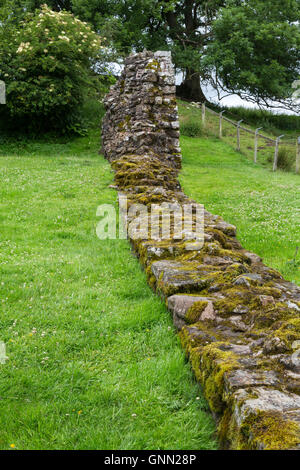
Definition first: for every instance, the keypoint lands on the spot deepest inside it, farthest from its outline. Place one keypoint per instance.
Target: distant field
(265, 206)
(93, 359)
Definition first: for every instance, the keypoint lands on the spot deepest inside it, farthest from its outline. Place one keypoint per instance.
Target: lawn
(93, 361)
(265, 206)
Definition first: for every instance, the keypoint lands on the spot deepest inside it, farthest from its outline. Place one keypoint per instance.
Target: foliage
(46, 62)
(251, 48)
(265, 119)
(255, 50)
(191, 128)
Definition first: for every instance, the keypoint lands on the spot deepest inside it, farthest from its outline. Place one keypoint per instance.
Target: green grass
(265, 206)
(93, 359)
(191, 115)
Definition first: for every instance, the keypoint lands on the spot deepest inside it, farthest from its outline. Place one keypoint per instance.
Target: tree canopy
(251, 47)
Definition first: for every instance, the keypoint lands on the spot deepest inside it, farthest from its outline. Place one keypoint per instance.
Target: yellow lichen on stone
(214, 364)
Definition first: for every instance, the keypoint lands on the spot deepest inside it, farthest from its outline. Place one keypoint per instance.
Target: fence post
(256, 143)
(2, 92)
(220, 123)
(276, 152)
(298, 155)
(238, 135)
(203, 114)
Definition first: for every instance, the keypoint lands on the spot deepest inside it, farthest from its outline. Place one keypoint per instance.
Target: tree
(46, 62)
(232, 44)
(248, 47)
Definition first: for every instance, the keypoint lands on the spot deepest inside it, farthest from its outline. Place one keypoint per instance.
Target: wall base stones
(238, 320)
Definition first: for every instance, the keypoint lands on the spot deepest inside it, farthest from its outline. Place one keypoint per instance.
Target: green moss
(122, 86)
(270, 431)
(219, 236)
(124, 124)
(143, 171)
(197, 336)
(215, 362)
(195, 360)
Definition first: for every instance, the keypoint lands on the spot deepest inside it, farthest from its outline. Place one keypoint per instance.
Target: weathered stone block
(172, 277)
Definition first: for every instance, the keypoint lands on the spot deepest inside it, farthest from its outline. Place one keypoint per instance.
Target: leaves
(46, 63)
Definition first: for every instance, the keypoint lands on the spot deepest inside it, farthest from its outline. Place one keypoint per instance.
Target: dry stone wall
(142, 112)
(238, 320)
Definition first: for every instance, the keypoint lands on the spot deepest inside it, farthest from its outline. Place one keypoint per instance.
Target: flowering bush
(47, 62)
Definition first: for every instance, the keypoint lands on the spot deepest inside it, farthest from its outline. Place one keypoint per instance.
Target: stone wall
(142, 111)
(238, 320)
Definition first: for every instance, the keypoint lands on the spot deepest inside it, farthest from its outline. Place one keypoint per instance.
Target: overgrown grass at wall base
(286, 160)
(272, 122)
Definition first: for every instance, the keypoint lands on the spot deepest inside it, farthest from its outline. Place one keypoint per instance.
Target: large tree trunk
(190, 89)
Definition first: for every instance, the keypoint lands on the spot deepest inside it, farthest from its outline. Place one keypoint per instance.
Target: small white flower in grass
(197, 398)
(134, 415)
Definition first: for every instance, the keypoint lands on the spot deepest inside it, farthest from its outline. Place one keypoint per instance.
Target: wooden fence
(276, 143)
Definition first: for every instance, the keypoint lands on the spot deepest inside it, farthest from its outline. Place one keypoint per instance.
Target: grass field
(265, 206)
(93, 361)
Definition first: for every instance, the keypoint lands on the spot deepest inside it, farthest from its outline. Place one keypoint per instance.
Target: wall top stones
(141, 115)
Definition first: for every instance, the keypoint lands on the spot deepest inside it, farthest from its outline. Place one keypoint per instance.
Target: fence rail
(257, 135)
